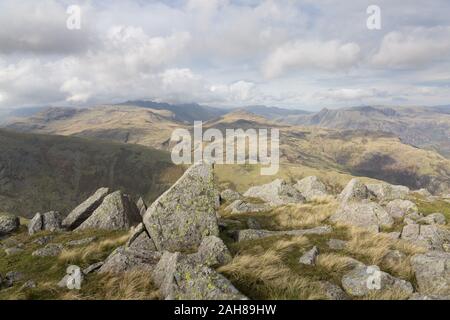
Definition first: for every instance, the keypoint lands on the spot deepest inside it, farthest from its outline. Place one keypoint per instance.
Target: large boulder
(85, 209)
(355, 190)
(431, 237)
(311, 187)
(8, 224)
(180, 279)
(388, 192)
(368, 215)
(212, 252)
(186, 213)
(363, 280)
(398, 208)
(276, 193)
(432, 271)
(130, 259)
(117, 212)
(49, 221)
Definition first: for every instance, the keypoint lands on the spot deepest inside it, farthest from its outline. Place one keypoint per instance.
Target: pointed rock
(142, 207)
(85, 209)
(186, 213)
(116, 212)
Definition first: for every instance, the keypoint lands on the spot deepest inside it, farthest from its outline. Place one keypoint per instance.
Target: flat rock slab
(186, 213)
(251, 234)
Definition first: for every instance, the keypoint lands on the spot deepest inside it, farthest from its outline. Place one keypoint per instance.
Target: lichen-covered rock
(142, 206)
(212, 252)
(8, 224)
(276, 193)
(186, 213)
(431, 237)
(387, 192)
(140, 239)
(355, 190)
(398, 208)
(179, 279)
(127, 259)
(240, 206)
(229, 195)
(49, 221)
(311, 187)
(310, 257)
(432, 271)
(368, 215)
(434, 218)
(116, 212)
(364, 280)
(85, 209)
(332, 291)
(50, 250)
(250, 234)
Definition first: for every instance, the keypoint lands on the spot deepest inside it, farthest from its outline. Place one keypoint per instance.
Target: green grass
(426, 207)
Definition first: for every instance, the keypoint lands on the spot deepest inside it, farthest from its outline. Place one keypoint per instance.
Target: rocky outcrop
(368, 215)
(8, 224)
(431, 237)
(311, 187)
(432, 271)
(116, 212)
(387, 192)
(49, 221)
(364, 280)
(250, 234)
(85, 209)
(229, 195)
(179, 279)
(186, 213)
(398, 208)
(355, 190)
(240, 206)
(276, 193)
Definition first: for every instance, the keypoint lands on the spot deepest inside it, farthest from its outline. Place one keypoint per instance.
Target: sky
(304, 54)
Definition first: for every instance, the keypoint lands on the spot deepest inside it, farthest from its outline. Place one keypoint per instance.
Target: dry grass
(76, 255)
(132, 285)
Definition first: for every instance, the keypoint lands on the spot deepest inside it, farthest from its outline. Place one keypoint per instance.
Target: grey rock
(72, 270)
(252, 223)
(332, 291)
(43, 240)
(93, 267)
(49, 221)
(83, 211)
(127, 259)
(186, 213)
(310, 257)
(250, 234)
(14, 276)
(229, 195)
(355, 190)
(212, 252)
(13, 251)
(368, 215)
(241, 206)
(179, 279)
(142, 207)
(276, 193)
(434, 218)
(394, 235)
(8, 224)
(387, 192)
(358, 282)
(35, 224)
(81, 242)
(393, 257)
(50, 250)
(311, 187)
(398, 208)
(337, 244)
(431, 237)
(30, 284)
(140, 239)
(432, 271)
(116, 212)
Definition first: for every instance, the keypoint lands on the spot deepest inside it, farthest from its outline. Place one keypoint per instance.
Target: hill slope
(41, 173)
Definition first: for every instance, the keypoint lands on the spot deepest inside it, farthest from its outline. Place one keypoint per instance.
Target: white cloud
(413, 47)
(297, 55)
(347, 94)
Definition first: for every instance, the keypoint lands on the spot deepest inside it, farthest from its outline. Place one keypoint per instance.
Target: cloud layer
(305, 54)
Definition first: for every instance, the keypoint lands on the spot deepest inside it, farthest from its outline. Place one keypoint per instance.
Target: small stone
(50, 250)
(30, 284)
(310, 257)
(43, 240)
(332, 291)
